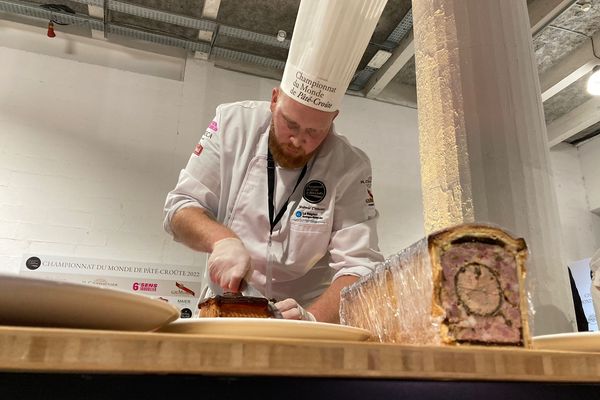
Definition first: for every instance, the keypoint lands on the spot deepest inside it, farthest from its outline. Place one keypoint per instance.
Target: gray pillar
(483, 144)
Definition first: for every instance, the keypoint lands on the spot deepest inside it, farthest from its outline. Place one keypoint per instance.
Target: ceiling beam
(97, 12)
(571, 67)
(574, 122)
(400, 56)
(541, 13)
(210, 11)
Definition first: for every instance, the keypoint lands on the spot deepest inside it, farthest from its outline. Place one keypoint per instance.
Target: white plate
(266, 328)
(578, 341)
(39, 302)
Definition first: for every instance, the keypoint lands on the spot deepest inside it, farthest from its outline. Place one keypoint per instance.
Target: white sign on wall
(581, 275)
(176, 284)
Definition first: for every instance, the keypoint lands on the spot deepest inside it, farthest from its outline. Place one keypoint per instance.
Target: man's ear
(274, 97)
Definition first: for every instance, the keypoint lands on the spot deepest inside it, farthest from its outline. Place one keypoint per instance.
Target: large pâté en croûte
(461, 285)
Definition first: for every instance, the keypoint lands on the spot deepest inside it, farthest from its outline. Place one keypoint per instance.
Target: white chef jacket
(329, 228)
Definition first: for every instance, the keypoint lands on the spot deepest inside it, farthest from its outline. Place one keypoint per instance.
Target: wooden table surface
(24, 349)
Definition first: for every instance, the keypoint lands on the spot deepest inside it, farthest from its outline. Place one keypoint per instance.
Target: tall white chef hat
(329, 39)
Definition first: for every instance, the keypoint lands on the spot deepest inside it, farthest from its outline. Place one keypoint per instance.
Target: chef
(278, 198)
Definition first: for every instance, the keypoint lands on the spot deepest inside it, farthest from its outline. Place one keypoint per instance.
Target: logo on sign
(314, 191)
(33, 263)
(144, 286)
(184, 289)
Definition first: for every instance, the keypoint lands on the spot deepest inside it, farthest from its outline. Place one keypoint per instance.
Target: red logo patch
(198, 149)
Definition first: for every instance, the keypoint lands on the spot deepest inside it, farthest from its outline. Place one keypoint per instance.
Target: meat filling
(480, 293)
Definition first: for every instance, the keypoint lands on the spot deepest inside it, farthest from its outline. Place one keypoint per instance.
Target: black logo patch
(314, 191)
(186, 313)
(33, 263)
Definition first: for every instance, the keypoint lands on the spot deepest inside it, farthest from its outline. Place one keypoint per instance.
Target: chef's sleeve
(200, 181)
(354, 246)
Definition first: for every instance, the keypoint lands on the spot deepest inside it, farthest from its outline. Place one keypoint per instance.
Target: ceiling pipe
(34, 10)
(187, 22)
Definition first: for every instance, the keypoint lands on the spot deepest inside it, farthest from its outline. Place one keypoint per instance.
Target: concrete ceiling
(241, 35)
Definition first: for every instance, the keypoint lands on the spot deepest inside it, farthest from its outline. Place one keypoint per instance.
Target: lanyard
(271, 179)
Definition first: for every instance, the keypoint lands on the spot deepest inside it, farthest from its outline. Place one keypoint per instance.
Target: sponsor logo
(102, 282)
(33, 263)
(144, 286)
(198, 149)
(213, 126)
(369, 200)
(186, 313)
(367, 182)
(184, 289)
(309, 214)
(314, 191)
(207, 136)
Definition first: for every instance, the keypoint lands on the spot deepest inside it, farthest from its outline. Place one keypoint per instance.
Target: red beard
(281, 154)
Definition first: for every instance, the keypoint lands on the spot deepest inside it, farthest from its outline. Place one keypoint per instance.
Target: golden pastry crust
(235, 305)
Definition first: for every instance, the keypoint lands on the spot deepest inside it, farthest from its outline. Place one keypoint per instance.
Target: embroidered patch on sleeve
(206, 137)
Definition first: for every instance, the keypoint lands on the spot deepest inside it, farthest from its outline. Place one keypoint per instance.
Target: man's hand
(228, 263)
(290, 309)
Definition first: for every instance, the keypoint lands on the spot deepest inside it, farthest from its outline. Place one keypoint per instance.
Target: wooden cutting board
(90, 351)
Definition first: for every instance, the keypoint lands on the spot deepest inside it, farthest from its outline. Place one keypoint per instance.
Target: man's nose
(296, 140)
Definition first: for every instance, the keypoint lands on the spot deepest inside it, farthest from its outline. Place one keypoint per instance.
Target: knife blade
(249, 290)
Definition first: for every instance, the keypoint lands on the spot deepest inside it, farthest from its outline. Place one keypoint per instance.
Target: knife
(248, 290)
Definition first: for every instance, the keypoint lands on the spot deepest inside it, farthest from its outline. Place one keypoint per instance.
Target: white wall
(389, 135)
(580, 227)
(590, 164)
(88, 153)
(83, 151)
